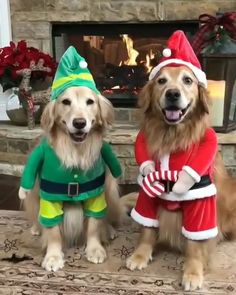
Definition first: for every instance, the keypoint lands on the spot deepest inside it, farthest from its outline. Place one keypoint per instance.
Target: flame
(132, 53)
(149, 56)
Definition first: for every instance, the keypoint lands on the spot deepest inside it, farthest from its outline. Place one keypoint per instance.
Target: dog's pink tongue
(173, 115)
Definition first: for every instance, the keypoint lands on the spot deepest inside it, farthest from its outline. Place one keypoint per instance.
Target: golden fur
(76, 150)
(172, 137)
(165, 137)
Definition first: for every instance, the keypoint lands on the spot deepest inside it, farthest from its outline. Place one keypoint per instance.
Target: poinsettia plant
(19, 56)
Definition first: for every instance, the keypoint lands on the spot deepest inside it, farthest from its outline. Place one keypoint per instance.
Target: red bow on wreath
(209, 23)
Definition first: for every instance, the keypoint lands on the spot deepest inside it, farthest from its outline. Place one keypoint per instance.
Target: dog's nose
(172, 94)
(79, 123)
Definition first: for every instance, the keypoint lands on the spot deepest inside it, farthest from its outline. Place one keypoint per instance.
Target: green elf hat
(72, 71)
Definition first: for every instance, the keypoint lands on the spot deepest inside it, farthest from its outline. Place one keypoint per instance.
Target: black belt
(73, 188)
(205, 181)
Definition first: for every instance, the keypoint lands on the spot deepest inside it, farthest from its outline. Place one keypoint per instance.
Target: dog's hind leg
(143, 254)
(52, 240)
(114, 206)
(95, 252)
(196, 259)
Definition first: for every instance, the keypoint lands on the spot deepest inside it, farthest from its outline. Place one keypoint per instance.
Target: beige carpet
(21, 273)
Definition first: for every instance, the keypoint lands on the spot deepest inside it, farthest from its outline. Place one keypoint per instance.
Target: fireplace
(120, 56)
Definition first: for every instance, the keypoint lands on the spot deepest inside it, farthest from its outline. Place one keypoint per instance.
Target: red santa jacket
(197, 161)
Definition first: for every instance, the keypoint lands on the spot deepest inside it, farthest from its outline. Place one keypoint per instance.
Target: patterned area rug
(21, 273)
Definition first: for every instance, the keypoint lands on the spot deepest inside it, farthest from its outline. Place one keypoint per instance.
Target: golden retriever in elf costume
(76, 168)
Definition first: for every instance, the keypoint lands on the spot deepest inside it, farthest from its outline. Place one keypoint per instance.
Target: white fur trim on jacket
(144, 220)
(192, 173)
(165, 162)
(200, 235)
(200, 75)
(145, 164)
(193, 194)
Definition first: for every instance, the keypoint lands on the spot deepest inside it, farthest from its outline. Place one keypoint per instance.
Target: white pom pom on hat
(180, 52)
(166, 52)
(83, 64)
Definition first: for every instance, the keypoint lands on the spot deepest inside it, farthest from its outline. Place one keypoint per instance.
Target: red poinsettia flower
(18, 56)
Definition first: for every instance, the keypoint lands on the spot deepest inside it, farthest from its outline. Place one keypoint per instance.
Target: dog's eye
(162, 81)
(188, 80)
(66, 102)
(89, 101)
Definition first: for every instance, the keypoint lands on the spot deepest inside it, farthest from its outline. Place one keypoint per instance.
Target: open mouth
(174, 115)
(78, 136)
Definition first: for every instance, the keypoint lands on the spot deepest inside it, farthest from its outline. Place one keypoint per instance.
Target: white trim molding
(149, 222)
(5, 23)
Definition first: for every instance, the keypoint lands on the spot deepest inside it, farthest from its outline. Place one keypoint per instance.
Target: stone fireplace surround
(32, 20)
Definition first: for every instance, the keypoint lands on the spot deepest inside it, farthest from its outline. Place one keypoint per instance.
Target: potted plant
(14, 59)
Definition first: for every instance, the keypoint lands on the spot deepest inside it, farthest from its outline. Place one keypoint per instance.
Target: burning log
(127, 77)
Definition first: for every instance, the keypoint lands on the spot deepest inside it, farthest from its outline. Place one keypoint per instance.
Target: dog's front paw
(96, 254)
(138, 261)
(35, 230)
(192, 281)
(53, 262)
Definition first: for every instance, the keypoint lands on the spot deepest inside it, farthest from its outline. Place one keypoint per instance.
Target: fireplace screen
(120, 57)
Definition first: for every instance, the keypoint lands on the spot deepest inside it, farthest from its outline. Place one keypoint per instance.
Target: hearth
(120, 56)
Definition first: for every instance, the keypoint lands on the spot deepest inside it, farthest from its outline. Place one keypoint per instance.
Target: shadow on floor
(9, 186)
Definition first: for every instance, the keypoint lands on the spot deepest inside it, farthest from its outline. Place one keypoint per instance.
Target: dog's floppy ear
(106, 116)
(144, 100)
(204, 99)
(48, 117)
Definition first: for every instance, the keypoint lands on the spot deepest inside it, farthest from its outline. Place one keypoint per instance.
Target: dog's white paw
(53, 262)
(138, 261)
(35, 230)
(96, 254)
(192, 281)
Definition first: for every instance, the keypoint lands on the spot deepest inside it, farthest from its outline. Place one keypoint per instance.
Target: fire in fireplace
(120, 56)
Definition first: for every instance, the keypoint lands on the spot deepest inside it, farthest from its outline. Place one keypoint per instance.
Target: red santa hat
(179, 52)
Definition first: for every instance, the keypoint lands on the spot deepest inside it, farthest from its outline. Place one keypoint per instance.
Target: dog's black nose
(79, 123)
(172, 95)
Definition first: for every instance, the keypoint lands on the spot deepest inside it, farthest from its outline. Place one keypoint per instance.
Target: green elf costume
(57, 183)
